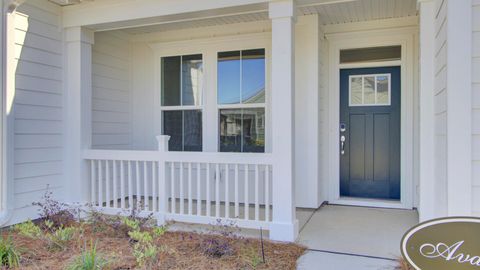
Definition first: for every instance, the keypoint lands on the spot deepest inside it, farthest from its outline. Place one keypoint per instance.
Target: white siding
(476, 107)
(440, 110)
(111, 102)
(38, 135)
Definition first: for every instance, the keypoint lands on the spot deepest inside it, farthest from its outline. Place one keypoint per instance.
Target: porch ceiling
(329, 13)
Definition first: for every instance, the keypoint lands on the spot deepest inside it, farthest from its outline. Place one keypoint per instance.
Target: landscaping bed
(60, 241)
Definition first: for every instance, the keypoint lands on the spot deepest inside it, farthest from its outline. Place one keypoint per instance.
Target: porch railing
(193, 187)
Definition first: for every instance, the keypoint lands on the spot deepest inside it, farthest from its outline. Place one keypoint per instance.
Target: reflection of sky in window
(228, 81)
(253, 80)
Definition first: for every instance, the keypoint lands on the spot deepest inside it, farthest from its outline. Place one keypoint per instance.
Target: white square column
(427, 112)
(284, 225)
(78, 110)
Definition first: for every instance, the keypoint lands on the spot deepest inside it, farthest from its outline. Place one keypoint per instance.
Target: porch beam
(284, 223)
(78, 107)
(427, 113)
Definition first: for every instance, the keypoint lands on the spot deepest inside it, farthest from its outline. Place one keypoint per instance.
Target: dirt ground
(178, 250)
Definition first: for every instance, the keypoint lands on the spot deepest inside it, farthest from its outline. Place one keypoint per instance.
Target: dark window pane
(171, 81)
(371, 54)
(192, 130)
(192, 75)
(230, 130)
(228, 77)
(254, 130)
(253, 76)
(172, 126)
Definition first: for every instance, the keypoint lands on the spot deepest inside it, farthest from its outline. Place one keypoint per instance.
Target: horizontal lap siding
(476, 107)
(111, 103)
(38, 127)
(440, 108)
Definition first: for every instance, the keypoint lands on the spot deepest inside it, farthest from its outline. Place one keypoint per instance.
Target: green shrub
(145, 254)
(28, 229)
(133, 224)
(88, 260)
(9, 255)
(141, 237)
(159, 231)
(63, 235)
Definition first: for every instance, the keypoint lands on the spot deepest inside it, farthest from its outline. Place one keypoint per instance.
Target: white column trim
(459, 107)
(284, 225)
(78, 110)
(427, 114)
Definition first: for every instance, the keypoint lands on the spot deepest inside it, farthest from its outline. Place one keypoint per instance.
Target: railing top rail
(196, 157)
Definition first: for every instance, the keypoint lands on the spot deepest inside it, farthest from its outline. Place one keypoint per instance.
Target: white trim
(373, 38)
(209, 47)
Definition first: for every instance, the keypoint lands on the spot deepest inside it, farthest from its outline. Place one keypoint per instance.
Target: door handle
(342, 144)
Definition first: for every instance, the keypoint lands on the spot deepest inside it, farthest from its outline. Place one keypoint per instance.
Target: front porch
(117, 109)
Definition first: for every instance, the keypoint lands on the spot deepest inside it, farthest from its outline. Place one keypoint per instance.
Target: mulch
(179, 250)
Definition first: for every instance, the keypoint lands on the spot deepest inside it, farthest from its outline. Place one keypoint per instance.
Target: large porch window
(241, 100)
(182, 81)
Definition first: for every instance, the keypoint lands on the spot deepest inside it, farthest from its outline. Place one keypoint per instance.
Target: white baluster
(199, 200)
(172, 187)
(114, 179)
(227, 191)
(237, 206)
(190, 203)
(208, 191)
(122, 185)
(247, 204)
(130, 185)
(257, 187)
(267, 193)
(217, 190)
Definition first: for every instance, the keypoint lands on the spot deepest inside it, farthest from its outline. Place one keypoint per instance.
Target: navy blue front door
(370, 133)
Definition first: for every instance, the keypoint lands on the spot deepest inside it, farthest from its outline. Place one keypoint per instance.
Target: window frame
(209, 49)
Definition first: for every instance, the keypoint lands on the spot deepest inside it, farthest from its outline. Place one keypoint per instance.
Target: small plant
(159, 231)
(132, 224)
(88, 260)
(145, 254)
(140, 237)
(28, 229)
(60, 214)
(217, 247)
(9, 255)
(403, 265)
(252, 258)
(61, 237)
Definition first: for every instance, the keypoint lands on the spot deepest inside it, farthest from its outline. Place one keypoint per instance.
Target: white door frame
(405, 38)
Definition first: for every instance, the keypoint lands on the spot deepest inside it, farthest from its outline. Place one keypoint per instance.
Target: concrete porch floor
(344, 237)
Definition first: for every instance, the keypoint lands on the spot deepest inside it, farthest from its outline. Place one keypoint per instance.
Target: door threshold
(377, 203)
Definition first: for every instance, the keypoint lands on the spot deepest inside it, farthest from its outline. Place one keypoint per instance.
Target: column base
(284, 232)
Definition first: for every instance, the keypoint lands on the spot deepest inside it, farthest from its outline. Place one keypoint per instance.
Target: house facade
(241, 109)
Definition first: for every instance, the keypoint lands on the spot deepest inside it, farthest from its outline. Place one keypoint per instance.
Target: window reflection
(192, 75)
(242, 130)
(228, 74)
(253, 76)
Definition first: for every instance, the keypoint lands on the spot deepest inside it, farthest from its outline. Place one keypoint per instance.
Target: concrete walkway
(343, 237)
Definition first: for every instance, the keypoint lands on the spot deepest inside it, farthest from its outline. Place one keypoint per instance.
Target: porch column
(284, 224)
(78, 108)
(427, 114)
(459, 107)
